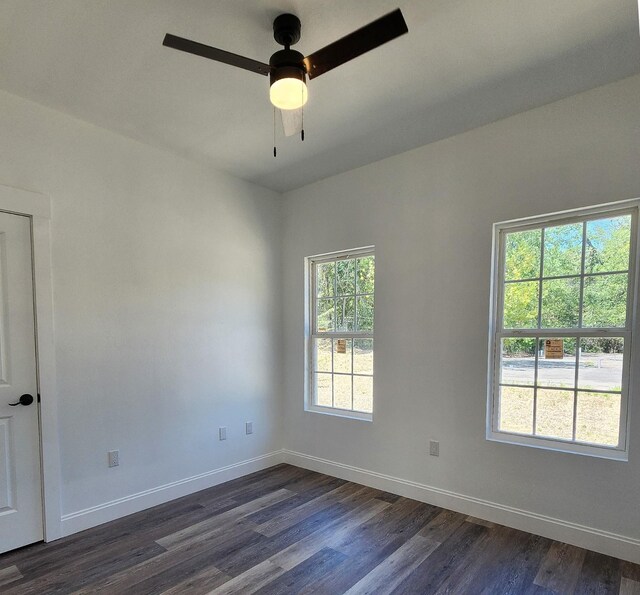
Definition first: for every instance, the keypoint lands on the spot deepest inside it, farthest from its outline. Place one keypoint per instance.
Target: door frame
(37, 207)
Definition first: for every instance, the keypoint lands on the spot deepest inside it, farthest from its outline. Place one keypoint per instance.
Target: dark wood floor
(288, 530)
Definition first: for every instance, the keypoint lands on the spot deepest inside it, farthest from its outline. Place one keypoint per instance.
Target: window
(562, 323)
(340, 333)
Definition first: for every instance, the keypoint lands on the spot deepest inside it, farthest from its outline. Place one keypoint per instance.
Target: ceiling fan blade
(199, 49)
(291, 121)
(357, 43)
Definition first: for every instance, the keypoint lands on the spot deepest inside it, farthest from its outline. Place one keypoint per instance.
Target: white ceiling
(463, 64)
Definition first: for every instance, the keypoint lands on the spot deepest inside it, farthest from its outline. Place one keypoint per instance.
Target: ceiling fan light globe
(288, 93)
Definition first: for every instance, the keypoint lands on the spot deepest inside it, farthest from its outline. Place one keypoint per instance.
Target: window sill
(357, 415)
(612, 454)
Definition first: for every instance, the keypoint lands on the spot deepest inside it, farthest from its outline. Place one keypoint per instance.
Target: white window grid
(498, 332)
(354, 335)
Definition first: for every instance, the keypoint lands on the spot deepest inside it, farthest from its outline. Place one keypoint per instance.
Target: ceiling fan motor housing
(287, 64)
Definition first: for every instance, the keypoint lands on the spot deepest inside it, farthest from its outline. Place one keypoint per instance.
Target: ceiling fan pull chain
(302, 115)
(275, 151)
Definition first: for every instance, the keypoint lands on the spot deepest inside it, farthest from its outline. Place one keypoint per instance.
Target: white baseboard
(115, 509)
(604, 542)
(597, 540)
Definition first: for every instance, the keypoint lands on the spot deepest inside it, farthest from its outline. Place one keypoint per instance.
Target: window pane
(345, 314)
(342, 355)
(521, 305)
(322, 355)
(517, 365)
(522, 254)
(366, 274)
(342, 391)
(560, 303)
(598, 418)
(326, 315)
(554, 413)
(346, 277)
(363, 356)
(608, 245)
(557, 362)
(601, 363)
(325, 277)
(562, 250)
(365, 313)
(323, 390)
(363, 394)
(516, 409)
(605, 301)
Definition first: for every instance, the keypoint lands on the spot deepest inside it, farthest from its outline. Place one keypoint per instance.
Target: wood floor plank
(600, 575)
(384, 528)
(220, 522)
(188, 556)
(291, 530)
(560, 568)
(373, 541)
(443, 525)
(630, 570)
(300, 497)
(449, 558)
(329, 536)
(81, 572)
(327, 520)
(250, 581)
(176, 574)
(286, 520)
(478, 557)
(302, 550)
(629, 587)
(295, 579)
(387, 575)
(265, 486)
(127, 579)
(45, 557)
(534, 589)
(513, 570)
(506, 562)
(9, 574)
(477, 521)
(200, 583)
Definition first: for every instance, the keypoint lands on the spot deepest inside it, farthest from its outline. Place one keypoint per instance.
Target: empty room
(319, 297)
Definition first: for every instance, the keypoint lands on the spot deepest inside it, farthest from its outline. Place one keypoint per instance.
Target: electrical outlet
(434, 448)
(114, 458)
(248, 426)
(222, 433)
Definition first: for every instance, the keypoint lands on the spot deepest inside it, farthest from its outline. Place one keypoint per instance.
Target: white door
(20, 476)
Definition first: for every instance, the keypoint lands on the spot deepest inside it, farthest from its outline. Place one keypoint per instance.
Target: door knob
(25, 400)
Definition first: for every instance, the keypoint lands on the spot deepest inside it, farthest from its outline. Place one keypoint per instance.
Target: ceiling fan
(288, 69)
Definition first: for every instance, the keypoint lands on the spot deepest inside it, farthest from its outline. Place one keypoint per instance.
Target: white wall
(429, 214)
(166, 280)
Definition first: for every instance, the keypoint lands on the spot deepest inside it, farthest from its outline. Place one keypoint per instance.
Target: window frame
(628, 332)
(311, 333)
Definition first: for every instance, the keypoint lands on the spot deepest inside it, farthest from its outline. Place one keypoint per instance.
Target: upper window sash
(542, 223)
(313, 263)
